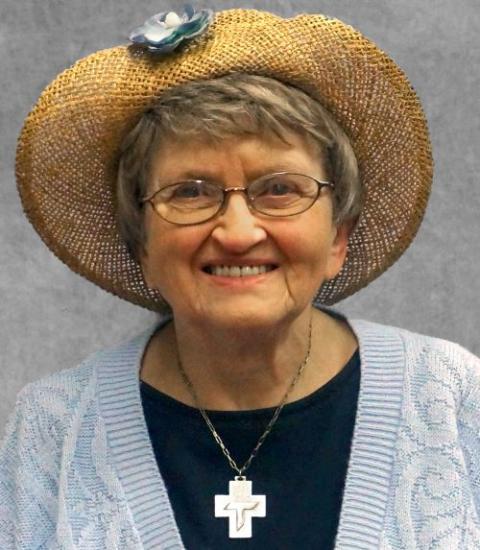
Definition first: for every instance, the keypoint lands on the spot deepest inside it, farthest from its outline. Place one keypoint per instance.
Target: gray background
(52, 318)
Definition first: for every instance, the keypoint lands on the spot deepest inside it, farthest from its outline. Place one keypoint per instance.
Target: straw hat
(67, 150)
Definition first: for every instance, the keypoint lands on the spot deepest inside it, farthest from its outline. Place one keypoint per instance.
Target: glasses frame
(226, 190)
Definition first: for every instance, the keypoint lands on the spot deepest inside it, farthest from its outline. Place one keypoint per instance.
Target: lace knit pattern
(435, 486)
(57, 486)
(67, 480)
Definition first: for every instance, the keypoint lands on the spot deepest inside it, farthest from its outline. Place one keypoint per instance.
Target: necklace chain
(274, 418)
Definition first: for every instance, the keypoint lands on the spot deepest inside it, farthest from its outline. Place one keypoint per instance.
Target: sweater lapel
(382, 360)
(129, 442)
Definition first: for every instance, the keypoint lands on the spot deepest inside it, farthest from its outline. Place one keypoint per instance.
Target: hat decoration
(164, 32)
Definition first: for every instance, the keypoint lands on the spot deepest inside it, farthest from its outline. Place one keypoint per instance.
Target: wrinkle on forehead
(250, 156)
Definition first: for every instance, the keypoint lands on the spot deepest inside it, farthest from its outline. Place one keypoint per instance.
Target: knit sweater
(77, 469)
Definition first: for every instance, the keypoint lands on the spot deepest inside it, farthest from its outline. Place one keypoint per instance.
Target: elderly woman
(237, 173)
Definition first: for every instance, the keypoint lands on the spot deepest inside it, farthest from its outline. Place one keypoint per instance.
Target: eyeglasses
(196, 201)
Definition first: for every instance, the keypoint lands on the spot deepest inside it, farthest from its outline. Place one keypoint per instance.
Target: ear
(339, 248)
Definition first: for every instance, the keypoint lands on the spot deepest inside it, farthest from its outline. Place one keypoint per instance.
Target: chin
(246, 316)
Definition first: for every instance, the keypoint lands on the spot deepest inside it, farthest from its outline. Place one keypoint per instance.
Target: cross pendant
(240, 506)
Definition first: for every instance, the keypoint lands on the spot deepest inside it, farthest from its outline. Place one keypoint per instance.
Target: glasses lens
(283, 194)
(188, 201)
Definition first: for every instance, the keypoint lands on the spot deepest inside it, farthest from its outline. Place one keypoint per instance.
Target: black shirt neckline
(324, 393)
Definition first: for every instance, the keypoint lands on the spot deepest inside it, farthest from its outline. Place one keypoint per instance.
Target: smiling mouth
(238, 271)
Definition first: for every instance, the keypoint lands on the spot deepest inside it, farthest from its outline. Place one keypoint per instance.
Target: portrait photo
(241, 270)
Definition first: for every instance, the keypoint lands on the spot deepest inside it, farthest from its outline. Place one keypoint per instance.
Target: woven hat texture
(67, 150)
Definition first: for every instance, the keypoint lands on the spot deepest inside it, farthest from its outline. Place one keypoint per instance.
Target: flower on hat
(164, 32)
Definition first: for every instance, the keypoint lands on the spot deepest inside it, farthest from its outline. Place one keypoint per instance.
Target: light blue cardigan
(77, 470)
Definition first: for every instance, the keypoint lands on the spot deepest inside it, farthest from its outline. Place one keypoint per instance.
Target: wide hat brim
(68, 148)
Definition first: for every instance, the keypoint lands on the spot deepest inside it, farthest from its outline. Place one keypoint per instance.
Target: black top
(301, 466)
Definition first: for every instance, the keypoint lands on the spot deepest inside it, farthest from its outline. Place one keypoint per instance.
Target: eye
(187, 190)
(287, 192)
(190, 194)
(278, 186)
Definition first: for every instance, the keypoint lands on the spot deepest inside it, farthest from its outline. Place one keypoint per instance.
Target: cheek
(307, 244)
(171, 253)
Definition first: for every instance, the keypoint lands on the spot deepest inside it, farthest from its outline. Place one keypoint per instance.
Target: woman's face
(306, 249)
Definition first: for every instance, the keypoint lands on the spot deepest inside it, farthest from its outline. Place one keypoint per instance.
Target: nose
(237, 228)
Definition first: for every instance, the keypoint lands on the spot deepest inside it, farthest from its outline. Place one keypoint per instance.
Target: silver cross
(240, 506)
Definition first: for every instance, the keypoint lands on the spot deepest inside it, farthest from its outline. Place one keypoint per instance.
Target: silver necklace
(240, 505)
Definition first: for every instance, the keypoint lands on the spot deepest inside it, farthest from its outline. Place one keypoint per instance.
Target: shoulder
(371, 335)
(429, 362)
(53, 401)
(412, 342)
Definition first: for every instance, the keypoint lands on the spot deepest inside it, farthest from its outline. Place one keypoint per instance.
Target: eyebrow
(205, 175)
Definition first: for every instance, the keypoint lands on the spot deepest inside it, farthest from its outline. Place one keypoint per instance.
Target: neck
(266, 362)
(251, 369)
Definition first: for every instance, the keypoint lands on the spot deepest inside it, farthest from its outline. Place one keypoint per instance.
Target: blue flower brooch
(164, 32)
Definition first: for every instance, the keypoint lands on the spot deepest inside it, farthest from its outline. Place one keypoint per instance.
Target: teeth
(237, 271)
